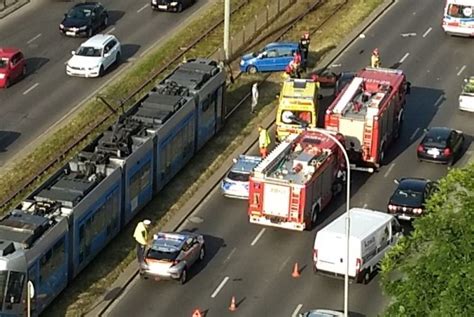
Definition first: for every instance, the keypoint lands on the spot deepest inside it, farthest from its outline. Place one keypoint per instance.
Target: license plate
(404, 217)
(71, 33)
(434, 152)
(162, 7)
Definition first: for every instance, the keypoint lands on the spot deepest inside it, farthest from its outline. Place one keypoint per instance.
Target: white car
(466, 99)
(321, 313)
(94, 56)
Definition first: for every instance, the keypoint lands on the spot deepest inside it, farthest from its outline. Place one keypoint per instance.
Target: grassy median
(93, 282)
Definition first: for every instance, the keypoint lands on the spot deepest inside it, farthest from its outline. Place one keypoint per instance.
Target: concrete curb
(118, 288)
(10, 8)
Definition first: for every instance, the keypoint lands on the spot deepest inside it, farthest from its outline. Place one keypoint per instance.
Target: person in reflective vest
(141, 237)
(263, 141)
(375, 58)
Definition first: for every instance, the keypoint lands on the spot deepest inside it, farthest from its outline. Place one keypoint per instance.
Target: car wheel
(23, 72)
(179, 8)
(202, 253)
(117, 59)
(451, 161)
(252, 69)
(101, 71)
(7, 83)
(89, 32)
(106, 22)
(184, 277)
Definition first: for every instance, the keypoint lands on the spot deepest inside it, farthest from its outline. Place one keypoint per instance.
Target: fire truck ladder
(368, 136)
(295, 206)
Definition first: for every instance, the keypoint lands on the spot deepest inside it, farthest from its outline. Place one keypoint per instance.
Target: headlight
(82, 28)
(174, 3)
(2, 76)
(61, 26)
(94, 67)
(242, 63)
(154, 1)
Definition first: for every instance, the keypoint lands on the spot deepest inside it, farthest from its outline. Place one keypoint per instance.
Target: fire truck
(369, 113)
(296, 181)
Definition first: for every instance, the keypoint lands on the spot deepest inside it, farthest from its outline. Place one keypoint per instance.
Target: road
(31, 106)
(253, 263)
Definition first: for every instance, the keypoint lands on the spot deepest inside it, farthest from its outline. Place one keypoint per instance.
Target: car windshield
(238, 177)
(460, 11)
(407, 197)
(79, 13)
(3, 62)
(89, 51)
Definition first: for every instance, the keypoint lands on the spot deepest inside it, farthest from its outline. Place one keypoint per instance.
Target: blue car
(272, 58)
(236, 183)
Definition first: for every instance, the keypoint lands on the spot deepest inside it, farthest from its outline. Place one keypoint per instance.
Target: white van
(372, 233)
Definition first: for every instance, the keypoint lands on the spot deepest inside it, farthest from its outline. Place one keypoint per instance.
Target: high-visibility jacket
(263, 139)
(375, 61)
(141, 233)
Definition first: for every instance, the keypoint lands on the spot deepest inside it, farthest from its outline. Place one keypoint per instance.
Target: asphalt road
(31, 106)
(253, 263)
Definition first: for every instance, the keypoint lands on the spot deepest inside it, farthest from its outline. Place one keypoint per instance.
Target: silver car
(236, 183)
(171, 255)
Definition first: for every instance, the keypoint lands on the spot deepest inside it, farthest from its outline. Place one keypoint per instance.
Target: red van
(12, 66)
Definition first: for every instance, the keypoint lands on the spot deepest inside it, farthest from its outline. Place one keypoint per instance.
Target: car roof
(8, 51)
(415, 184)
(171, 240)
(439, 131)
(98, 40)
(87, 5)
(282, 44)
(245, 163)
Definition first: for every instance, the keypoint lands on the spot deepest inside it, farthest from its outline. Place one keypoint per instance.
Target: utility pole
(226, 29)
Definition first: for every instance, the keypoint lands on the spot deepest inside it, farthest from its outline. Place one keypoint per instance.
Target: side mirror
(396, 181)
(155, 236)
(234, 160)
(73, 52)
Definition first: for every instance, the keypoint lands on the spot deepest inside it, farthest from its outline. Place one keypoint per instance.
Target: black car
(84, 19)
(441, 145)
(171, 5)
(408, 200)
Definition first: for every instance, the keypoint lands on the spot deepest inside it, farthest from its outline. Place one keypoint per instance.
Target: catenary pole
(226, 28)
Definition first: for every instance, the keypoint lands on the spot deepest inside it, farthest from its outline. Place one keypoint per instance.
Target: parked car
(236, 183)
(84, 19)
(272, 58)
(94, 56)
(12, 66)
(171, 5)
(466, 99)
(441, 145)
(408, 200)
(321, 313)
(171, 255)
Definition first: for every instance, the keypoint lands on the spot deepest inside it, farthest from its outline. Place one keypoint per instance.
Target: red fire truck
(296, 181)
(369, 113)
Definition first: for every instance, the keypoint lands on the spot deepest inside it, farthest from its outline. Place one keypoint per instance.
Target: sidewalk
(9, 6)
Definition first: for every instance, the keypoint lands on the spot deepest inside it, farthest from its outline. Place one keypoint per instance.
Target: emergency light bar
(385, 70)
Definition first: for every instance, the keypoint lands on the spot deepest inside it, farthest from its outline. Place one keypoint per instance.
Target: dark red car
(12, 66)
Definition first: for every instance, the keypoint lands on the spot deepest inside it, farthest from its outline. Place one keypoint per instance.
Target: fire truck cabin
(295, 181)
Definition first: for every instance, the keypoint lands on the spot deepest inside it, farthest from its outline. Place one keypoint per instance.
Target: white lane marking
(221, 285)
(408, 34)
(30, 89)
(365, 206)
(439, 101)
(461, 70)
(389, 170)
(282, 266)
(35, 38)
(427, 31)
(111, 30)
(404, 57)
(230, 254)
(297, 310)
(142, 8)
(257, 237)
(414, 134)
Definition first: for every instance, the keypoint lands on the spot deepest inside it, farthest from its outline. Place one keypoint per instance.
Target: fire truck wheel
(314, 215)
(337, 188)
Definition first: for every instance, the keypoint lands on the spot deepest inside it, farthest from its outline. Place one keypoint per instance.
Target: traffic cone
(197, 313)
(233, 306)
(296, 272)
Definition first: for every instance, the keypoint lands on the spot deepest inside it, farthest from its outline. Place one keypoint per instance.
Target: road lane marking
(427, 31)
(111, 30)
(408, 34)
(282, 266)
(142, 8)
(404, 57)
(221, 285)
(389, 170)
(230, 254)
(414, 134)
(35, 38)
(257, 237)
(439, 101)
(30, 89)
(297, 310)
(461, 70)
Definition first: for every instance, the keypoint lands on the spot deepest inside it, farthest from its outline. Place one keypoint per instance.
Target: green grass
(94, 281)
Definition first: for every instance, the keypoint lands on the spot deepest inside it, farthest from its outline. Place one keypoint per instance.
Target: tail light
(315, 255)
(420, 148)
(358, 265)
(447, 151)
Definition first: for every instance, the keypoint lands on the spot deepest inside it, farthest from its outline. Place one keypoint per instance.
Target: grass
(94, 281)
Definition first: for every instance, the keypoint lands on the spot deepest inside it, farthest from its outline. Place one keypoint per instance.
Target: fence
(252, 29)
(8, 6)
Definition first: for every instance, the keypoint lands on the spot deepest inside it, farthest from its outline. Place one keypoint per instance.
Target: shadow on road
(33, 64)
(7, 138)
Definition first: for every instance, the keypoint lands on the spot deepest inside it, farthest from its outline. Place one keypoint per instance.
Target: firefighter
(294, 69)
(263, 141)
(375, 58)
(304, 46)
(141, 237)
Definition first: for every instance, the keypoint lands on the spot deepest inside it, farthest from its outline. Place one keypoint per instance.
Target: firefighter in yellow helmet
(375, 58)
(263, 141)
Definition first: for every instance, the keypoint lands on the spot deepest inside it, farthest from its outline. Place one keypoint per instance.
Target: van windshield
(460, 11)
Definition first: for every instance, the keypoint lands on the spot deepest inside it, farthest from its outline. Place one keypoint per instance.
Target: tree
(431, 272)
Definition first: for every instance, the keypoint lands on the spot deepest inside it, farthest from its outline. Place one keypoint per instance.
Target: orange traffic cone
(197, 313)
(233, 306)
(296, 272)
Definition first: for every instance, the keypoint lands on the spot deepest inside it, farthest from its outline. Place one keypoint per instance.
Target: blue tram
(57, 231)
